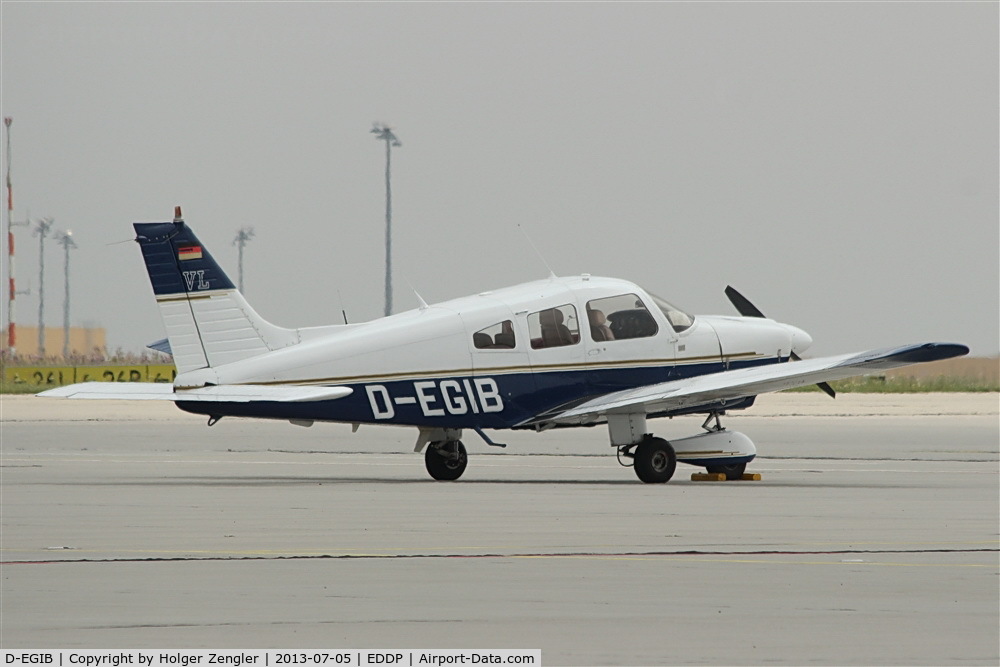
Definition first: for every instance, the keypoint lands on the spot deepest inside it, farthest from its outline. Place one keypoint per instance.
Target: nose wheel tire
(732, 471)
(655, 460)
(446, 461)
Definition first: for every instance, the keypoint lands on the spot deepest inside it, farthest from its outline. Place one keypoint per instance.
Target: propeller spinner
(747, 309)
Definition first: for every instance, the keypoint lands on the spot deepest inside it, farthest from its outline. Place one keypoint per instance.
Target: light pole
(66, 241)
(242, 236)
(384, 133)
(42, 228)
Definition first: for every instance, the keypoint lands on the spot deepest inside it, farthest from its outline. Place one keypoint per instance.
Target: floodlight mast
(42, 228)
(242, 236)
(65, 239)
(384, 133)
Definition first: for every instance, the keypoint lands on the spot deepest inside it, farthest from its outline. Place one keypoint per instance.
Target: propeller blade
(743, 305)
(827, 389)
(747, 309)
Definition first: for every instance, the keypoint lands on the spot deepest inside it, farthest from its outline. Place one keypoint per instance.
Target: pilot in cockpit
(599, 329)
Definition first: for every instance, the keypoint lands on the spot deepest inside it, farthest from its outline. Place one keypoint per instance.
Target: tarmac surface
(871, 539)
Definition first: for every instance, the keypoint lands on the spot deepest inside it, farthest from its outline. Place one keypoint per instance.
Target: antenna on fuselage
(343, 311)
(420, 299)
(552, 274)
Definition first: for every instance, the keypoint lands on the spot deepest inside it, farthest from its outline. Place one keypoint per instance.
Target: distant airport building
(83, 341)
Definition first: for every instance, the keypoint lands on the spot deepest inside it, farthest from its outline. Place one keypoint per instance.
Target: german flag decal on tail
(189, 252)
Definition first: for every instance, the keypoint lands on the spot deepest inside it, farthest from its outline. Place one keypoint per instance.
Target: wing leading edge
(235, 393)
(677, 395)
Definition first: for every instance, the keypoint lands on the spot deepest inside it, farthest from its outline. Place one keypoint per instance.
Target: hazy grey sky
(836, 162)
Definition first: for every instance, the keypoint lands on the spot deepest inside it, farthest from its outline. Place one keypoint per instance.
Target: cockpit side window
(554, 327)
(678, 319)
(499, 336)
(619, 318)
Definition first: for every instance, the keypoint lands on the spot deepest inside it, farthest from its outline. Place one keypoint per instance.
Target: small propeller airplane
(560, 352)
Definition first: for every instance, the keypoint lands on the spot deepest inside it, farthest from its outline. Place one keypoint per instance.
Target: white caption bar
(272, 658)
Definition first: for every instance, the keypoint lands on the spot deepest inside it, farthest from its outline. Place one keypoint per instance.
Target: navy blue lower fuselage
(498, 401)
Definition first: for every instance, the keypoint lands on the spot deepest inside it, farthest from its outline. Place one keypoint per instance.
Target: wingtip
(948, 350)
(930, 352)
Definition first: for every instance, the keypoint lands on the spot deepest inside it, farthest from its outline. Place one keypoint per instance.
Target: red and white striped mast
(11, 289)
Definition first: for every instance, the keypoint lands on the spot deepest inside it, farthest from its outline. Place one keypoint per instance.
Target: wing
(233, 393)
(731, 386)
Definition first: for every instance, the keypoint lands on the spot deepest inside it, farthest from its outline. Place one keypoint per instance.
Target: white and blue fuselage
(443, 366)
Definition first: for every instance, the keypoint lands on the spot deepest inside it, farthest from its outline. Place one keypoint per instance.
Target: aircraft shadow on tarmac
(313, 481)
(235, 482)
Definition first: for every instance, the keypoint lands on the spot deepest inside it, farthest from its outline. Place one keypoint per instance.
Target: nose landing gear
(732, 471)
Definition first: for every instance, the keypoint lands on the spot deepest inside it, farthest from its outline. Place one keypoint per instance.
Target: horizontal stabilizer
(233, 393)
(162, 345)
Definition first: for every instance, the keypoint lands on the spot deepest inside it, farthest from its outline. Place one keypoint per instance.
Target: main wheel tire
(655, 461)
(732, 471)
(446, 461)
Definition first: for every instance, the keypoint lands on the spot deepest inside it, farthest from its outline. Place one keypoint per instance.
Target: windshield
(678, 319)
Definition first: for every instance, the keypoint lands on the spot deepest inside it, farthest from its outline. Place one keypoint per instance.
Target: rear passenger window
(500, 336)
(554, 327)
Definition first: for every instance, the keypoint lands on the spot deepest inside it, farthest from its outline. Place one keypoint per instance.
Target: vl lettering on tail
(195, 280)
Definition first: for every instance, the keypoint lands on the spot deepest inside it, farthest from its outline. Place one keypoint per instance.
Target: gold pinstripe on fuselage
(507, 370)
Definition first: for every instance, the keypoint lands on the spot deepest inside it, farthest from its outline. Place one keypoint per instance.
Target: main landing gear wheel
(446, 461)
(732, 471)
(654, 460)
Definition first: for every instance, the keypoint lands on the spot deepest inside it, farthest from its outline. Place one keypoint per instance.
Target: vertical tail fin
(208, 321)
